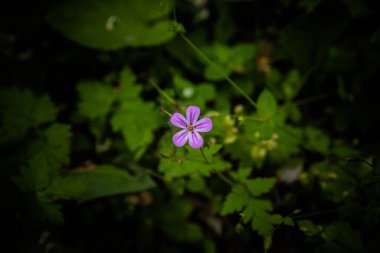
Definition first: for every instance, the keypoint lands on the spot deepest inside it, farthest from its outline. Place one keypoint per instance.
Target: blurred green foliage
(88, 163)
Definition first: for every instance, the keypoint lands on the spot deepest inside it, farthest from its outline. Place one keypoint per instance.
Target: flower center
(190, 128)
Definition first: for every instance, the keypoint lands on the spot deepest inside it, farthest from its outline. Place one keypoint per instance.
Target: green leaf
(196, 184)
(257, 212)
(342, 233)
(292, 84)
(229, 59)
(259, 186)
(47, 154)
(236, 200)
(104, 180)
(192, 165)
(288, 221)
(57, 138)
(242, 174)
(307, 227)
(211, 151)
(65, 188)
(317, 140)
(262, 223)
(43, 110)
(254, 207)
(266, 105)
(289, 142)
(113, 24)
(177, 186)
(20, 110)
(36, 175)
(190, 161)
(135, 119)
(95, 99)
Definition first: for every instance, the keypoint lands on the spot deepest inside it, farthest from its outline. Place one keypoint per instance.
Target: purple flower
(191, 127)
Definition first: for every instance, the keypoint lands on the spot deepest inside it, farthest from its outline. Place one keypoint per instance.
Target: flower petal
(178, 120)
(195, 140)
(203, 125)
(180, 138)
(192, 114)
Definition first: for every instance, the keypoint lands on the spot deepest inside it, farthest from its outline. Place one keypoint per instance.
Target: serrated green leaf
(36, 175)
(254, 207)
(57, 138)
(20, 110)
(47, 154)
(256, 211)
(43, 110)
(235, 201)
(95, 99)
(192, 166)
(127, 79)
(262, 223)
(135, 119)
(259, 186)
(105, 180)
(212, 150)
(172, 168)
(242, 174)
(193, 163)
(266, 105)
(113, 24)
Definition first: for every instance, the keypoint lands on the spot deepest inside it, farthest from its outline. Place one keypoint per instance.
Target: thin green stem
(229, 80)
(309, 100)
(162, 92)
(225, 179)
(174, 11)
(220, 175)
(359, 159)
(204, 156)
(165, 111)
(307, 215)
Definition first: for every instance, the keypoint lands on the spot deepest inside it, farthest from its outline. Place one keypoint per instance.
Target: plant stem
(225, 179)
(204, 156)
(220, 175)
(313, 214)
(162, 92)
(229, 80)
